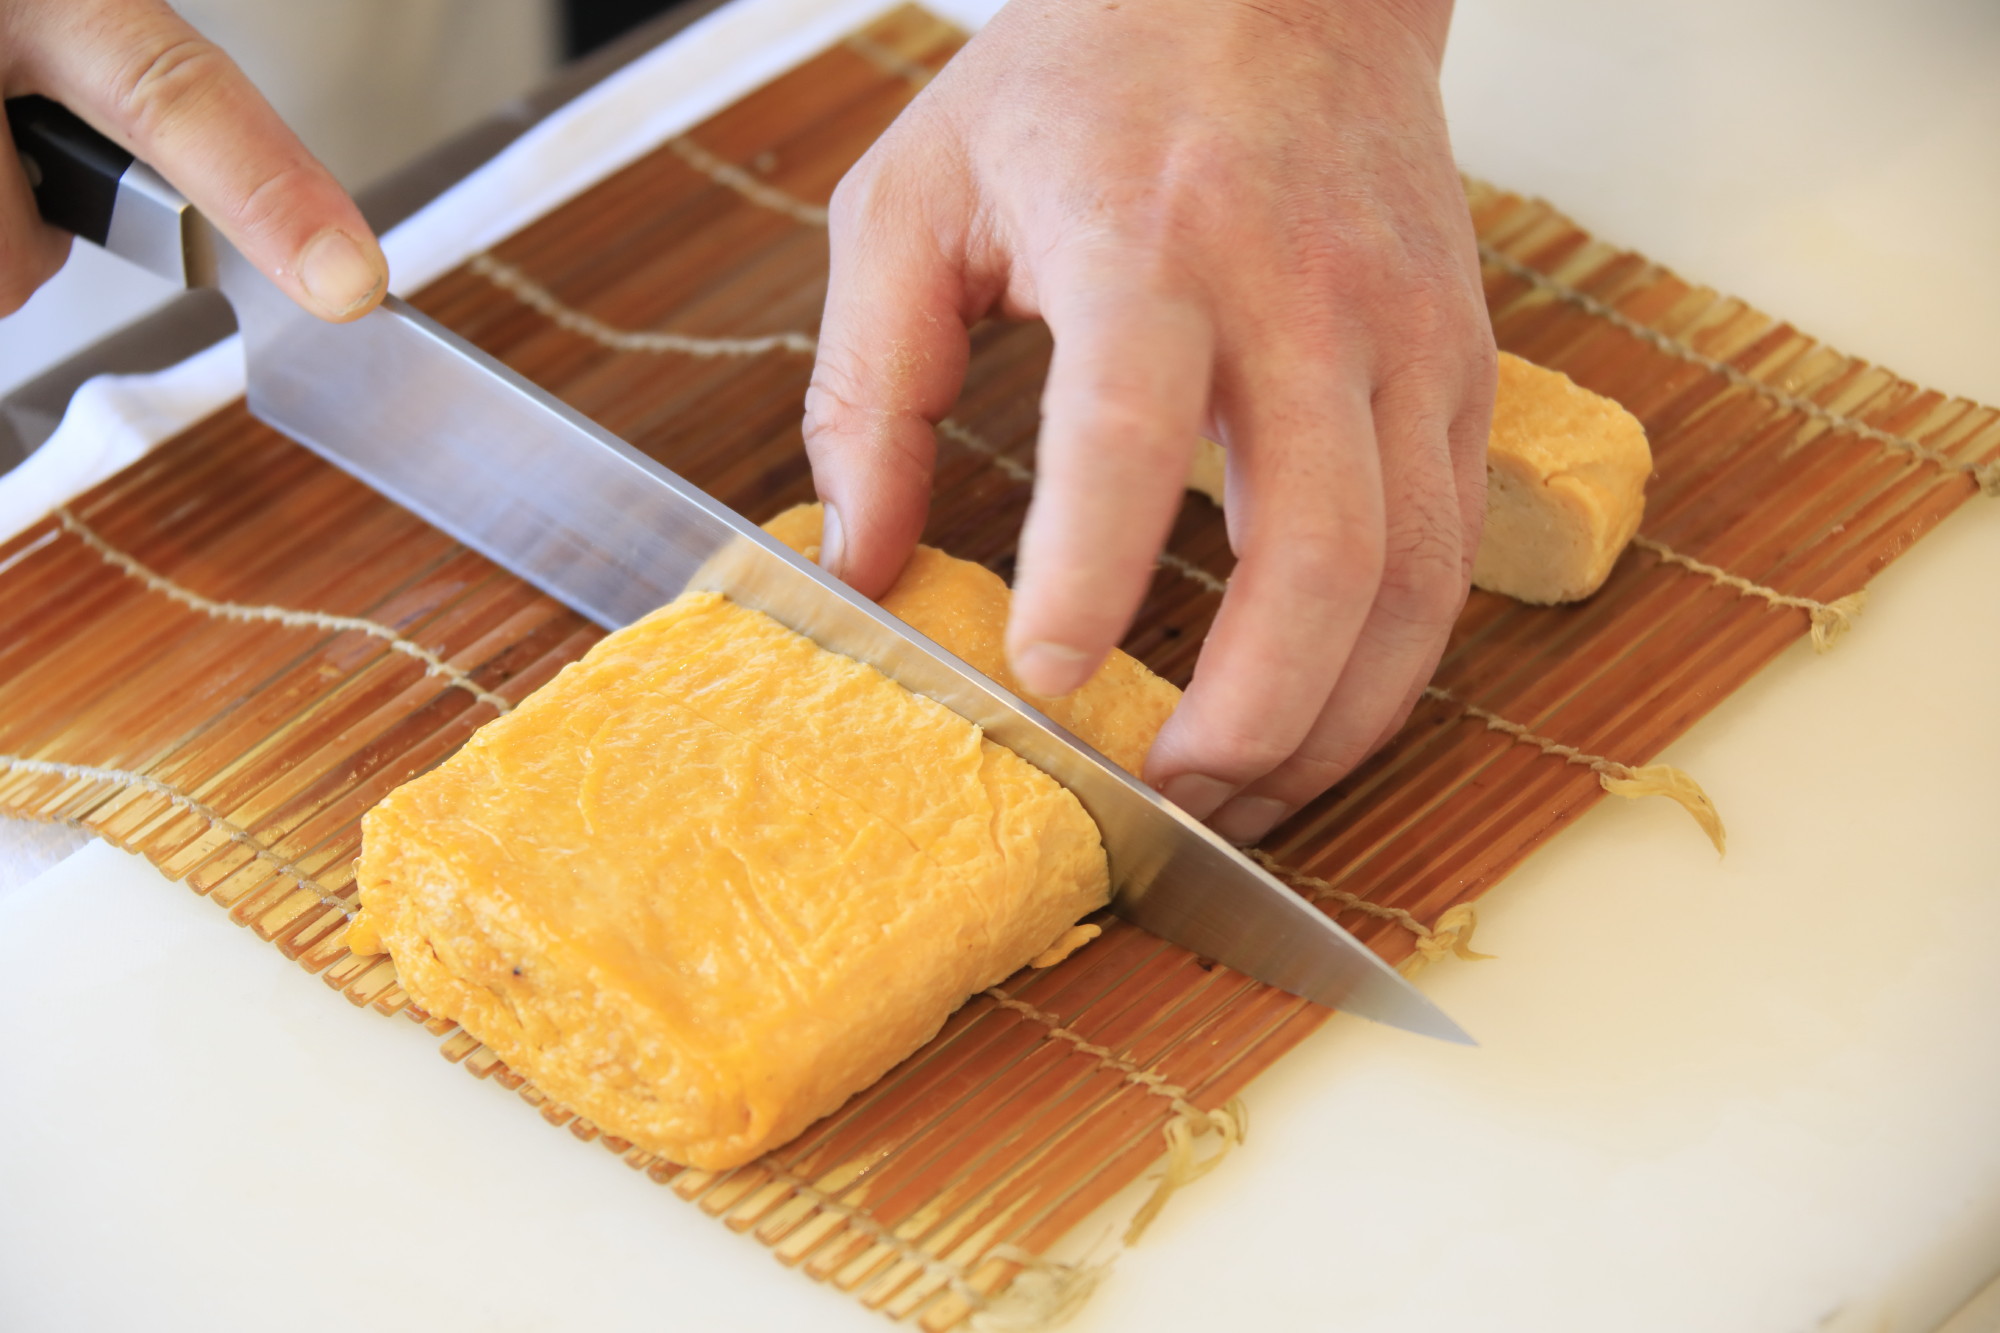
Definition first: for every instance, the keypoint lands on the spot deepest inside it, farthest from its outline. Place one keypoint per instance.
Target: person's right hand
(137, 72)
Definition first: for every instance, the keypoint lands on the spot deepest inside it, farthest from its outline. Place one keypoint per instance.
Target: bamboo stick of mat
(159, 686)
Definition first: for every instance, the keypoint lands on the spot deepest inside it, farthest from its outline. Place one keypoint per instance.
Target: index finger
(892, 355)
(140, 74)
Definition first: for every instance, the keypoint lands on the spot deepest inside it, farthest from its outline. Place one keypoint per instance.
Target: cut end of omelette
(1210, 470)
(964, 606)
(1566, 474)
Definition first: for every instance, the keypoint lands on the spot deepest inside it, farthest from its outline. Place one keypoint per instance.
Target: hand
(1239, 217)
(138, 73)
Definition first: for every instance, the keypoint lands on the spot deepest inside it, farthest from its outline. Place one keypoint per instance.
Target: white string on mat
(274, 615)
(1830, 620)
(1319, 889)
(1230, 1121)
(1011, 468)
(536, 297)
(745, 184)
(236, 833)
(1450, 935)
(1193, 573)
(890, 62)
(955, 1275)
(1616, 777)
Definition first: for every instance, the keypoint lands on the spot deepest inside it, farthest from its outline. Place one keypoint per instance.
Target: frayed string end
(1450, 936)
(1670, 782)
(1043, 1294)
(1229, 1122)
(1988, 477)
(1835, 618)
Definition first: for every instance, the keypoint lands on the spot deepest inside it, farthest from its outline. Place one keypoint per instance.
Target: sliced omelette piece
(1566, 473)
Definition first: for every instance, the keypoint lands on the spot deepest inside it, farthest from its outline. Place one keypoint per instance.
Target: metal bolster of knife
(86, 184)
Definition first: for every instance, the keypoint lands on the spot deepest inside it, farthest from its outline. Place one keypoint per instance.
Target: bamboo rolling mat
(225, 654)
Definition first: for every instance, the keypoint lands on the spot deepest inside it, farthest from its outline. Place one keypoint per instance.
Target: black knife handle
(85, 183)
(73, 170)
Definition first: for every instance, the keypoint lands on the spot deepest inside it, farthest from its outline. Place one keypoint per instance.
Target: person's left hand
(1244, 217)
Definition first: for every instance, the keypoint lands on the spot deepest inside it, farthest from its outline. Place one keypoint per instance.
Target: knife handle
(86, 184)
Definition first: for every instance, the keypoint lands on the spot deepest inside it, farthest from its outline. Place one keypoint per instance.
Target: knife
(512, 471)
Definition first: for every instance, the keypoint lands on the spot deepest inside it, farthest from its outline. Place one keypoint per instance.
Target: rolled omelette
(712, 880)
(1566, 473)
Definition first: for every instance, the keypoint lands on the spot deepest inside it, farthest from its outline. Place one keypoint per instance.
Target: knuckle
(160, 76)
(877, 188)
(1340, 558)
(1472, 505)
(1343, 740)
(831, 414)
(1480, 361)
(1442, 339)
(1308, 773)
(854, 196)
(1423, 582)
(1242, 753)
(1135, 212)
(172, 74)
(1367, 243)
(273, 200)
(1121, 410)
(1364, 251)
(1154, 221)
(836, 428)
(1144, 252)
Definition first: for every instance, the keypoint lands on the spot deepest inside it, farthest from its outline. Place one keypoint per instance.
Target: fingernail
(1197, 793)
(832, 540)
(1248, 818)
(339, 274)
(1051, 669)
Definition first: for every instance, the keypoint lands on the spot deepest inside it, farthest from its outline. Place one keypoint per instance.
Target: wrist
(1426, 22)
(1430, 20)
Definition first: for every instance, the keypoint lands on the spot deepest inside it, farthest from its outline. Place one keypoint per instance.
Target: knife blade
(506, 467)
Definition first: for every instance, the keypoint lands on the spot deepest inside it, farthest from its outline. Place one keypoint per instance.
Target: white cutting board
(1755, 1094)
(1749, 1095)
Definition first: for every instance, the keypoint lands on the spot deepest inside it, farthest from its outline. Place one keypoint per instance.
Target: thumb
(139, 73)
(892, 355)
